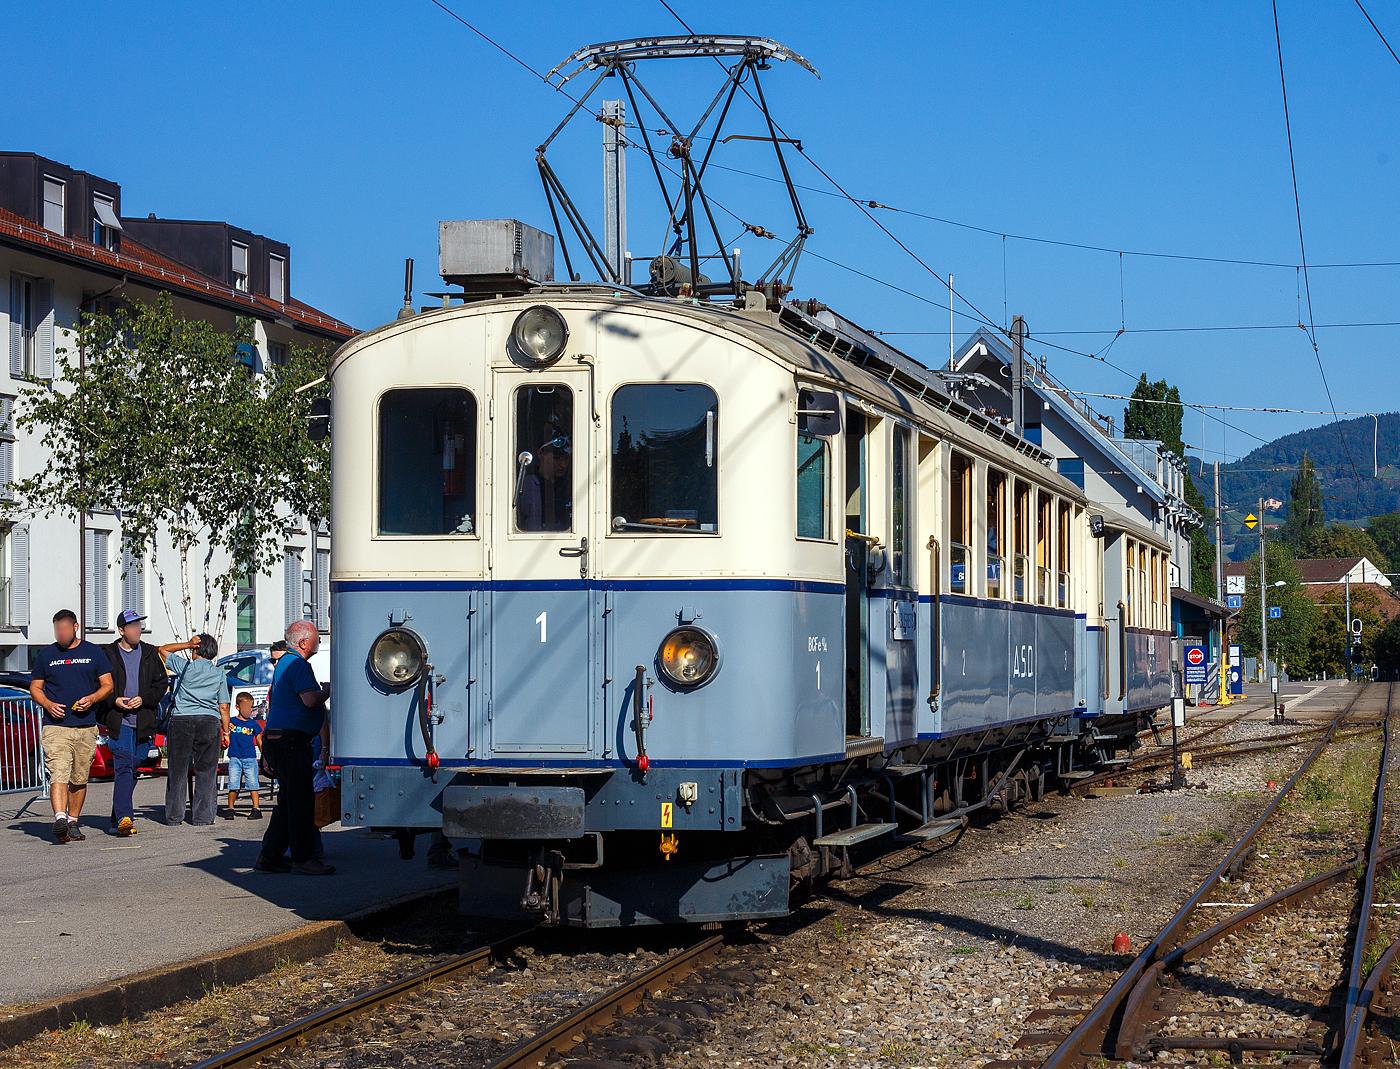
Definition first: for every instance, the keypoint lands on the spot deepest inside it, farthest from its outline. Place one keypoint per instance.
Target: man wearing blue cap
(138, 683)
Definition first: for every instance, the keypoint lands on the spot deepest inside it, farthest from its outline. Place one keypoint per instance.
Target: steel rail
(571, 1031)
(299, 1031)
(1354, 1019)
(1089, 1038)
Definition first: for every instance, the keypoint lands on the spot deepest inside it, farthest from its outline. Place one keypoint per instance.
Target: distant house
(1323, 575)
(66, 247)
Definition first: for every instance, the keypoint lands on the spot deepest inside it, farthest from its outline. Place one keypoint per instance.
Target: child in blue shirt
(243, 755)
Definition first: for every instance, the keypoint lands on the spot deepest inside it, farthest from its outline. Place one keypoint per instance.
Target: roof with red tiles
(142, 262)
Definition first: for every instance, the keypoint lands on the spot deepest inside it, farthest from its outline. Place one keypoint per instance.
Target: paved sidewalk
(76, 915)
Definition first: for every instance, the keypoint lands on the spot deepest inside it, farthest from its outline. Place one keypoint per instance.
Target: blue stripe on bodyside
(798, 586)
(925, 736)
(601, 766)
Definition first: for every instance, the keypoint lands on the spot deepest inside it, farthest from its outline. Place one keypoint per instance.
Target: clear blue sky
(348, 130)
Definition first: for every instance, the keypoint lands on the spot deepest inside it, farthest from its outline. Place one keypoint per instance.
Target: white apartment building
(65, 246)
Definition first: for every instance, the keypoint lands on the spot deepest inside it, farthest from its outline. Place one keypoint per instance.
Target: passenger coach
(667, 603)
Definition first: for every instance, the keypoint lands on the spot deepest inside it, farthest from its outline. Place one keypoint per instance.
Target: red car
(103, 766)
(21, 761)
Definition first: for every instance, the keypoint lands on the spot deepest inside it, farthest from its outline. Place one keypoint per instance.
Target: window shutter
(19, 575)
(101, 571)
(7, 470)
(16, 326)
(43, 335)
(89, 603)
(133, 580)
(323, 590)
(291, 581)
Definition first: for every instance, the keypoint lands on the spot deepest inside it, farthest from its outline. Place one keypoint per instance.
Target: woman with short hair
(198, 729)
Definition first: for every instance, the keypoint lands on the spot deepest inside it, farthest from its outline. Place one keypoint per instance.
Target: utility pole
(1263, 598)
(950, 322)
(615, 187)
(1347, 639)
(1222, 658)
(1018, 374)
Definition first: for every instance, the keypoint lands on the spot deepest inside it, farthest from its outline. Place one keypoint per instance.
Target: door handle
(581, 552)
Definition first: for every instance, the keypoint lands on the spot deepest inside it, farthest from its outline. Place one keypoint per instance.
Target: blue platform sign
(1197, 669)
(1236, 671)
(1275, 612)
(1234, 601)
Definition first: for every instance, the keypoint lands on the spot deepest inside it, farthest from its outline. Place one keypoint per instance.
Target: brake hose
(425, 708)
(643, 762)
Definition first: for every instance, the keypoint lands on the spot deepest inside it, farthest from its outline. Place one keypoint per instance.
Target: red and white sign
(1195, 655)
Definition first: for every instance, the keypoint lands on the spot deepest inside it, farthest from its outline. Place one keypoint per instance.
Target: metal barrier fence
(22, 768)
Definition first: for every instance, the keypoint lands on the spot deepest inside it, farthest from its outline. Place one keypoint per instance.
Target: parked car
(251, 670)
(103, 766)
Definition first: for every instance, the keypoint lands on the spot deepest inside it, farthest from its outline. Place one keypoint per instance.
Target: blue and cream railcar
(666, 604)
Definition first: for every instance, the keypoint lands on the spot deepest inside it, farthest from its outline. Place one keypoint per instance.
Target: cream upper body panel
(617, 340)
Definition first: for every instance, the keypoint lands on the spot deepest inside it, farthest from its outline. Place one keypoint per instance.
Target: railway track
(1165, 1005)
(640, 995)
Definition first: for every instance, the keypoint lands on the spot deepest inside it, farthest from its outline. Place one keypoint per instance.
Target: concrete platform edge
(154, 989)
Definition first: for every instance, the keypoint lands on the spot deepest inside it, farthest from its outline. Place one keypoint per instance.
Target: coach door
(540, 564)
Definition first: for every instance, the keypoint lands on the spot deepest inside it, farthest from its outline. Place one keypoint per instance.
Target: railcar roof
(883, 376)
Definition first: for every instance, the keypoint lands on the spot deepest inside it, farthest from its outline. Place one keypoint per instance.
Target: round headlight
(688, 657)
(539, 334)
(397, 657)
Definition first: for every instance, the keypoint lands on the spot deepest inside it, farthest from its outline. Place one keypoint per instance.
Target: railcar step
(861, 745)
(1116, 762)
(932, 830)
(1077, 774)
(902, 770)
(858, 834)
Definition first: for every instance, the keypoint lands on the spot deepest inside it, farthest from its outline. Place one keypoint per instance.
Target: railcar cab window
(665, 459)
(996, 532)
(959, 523)
(427, 462)
(543, 464)
(901, 572)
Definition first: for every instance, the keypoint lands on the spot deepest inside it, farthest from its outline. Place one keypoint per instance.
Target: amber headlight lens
(688, 657)
(397, 657)
(540, 334)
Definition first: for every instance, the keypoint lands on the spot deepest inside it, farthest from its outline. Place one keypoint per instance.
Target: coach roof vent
(490, 256)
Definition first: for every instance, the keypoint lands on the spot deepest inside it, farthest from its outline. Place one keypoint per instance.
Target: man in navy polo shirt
(71, 680)
(296, 712)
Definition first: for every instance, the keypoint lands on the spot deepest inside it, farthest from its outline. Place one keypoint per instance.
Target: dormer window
(277, 279)
(105, 223)
(240, 266)
(54, 202)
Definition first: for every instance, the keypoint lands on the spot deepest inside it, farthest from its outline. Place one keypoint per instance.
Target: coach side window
(960, 523)
(427, 462)
(1062, 555)
(1021, 523)
(901, 561)
(996, 532)
(665, 459)
(813, 487)
(1128, 587)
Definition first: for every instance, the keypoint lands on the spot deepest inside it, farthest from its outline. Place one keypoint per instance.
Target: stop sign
(1195, 655)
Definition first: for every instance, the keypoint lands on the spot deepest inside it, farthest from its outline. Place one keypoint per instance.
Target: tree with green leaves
(161, 423)
(1385, 533)
(1290, 635)
(1306, 521)
(1342, 540)
(1154, 413)
(1330, 640)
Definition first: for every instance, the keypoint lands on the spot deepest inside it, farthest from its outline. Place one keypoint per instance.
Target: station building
(66, 246)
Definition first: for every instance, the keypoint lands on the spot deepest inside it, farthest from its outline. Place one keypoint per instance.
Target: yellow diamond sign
(1251, 521)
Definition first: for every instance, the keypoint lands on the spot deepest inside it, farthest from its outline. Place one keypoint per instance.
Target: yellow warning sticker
(666, 814)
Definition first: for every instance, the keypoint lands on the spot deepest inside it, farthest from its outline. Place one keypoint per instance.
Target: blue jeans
(125, 756)
(243, 774)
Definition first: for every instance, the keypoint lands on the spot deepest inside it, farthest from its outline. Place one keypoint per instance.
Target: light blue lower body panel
(1003, 663)
(1149, 670)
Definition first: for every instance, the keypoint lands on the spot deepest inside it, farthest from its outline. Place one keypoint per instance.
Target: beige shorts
(68, 753)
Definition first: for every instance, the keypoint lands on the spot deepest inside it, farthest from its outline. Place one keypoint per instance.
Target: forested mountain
(1347, 495)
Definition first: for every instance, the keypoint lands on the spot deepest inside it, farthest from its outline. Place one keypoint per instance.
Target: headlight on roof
(688, 657)
(397, 658)
(539, 334)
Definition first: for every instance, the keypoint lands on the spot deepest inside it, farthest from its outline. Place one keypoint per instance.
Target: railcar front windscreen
(665, 458)
(427, 462)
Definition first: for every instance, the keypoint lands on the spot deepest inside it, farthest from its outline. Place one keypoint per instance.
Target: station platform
(76, 915)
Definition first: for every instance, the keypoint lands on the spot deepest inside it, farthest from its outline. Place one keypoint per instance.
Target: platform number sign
(1275, 612)
(1234, 601)
(1197, 669)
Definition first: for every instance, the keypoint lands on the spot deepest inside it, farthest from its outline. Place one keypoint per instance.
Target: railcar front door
(541, 667)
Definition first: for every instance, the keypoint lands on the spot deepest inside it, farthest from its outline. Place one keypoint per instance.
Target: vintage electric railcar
(665, 604)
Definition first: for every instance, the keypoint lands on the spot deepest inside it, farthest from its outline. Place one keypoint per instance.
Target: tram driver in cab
(546, 490)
